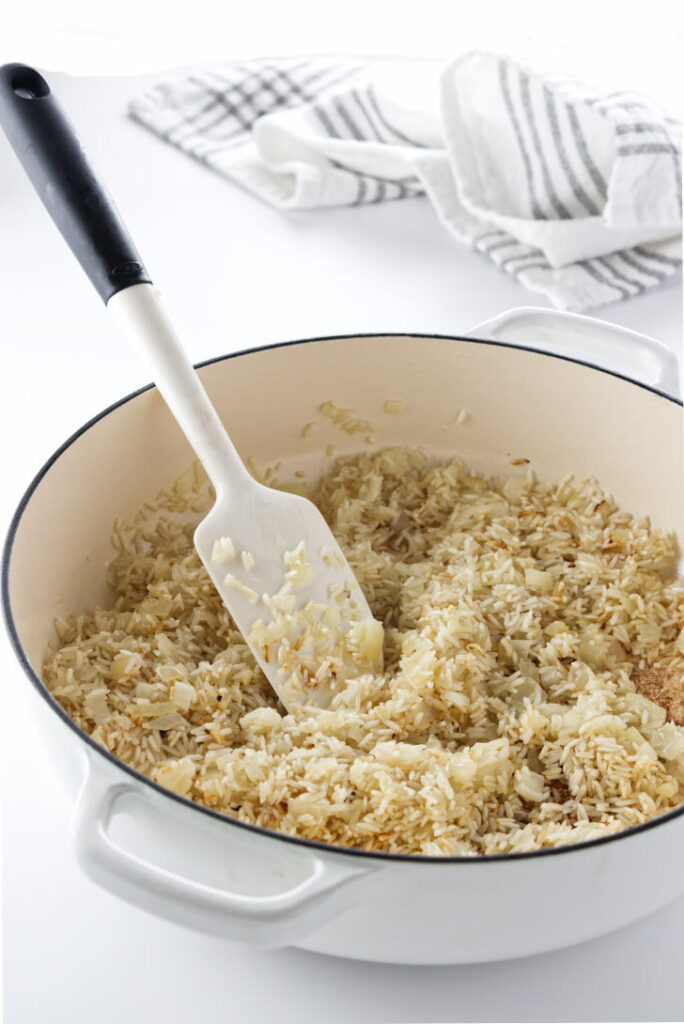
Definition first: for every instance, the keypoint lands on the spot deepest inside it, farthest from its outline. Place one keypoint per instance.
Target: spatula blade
(260, 531)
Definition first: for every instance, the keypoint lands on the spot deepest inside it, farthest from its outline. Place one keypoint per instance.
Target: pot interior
(563, 417)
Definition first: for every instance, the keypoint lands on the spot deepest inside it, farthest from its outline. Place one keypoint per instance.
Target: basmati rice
(518, 618)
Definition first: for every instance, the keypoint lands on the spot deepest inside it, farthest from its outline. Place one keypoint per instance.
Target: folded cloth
(575, 192)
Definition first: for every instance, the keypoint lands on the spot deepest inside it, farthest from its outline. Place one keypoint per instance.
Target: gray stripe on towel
(390, 128)
(526, 97)
(579, 193)
(346, 118)
(631, 261)
(583, 150)
(658, 257)
(525, 156)
(608, 263)
(587, 266)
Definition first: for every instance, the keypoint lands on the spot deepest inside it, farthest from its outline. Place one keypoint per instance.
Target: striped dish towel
(574, 192)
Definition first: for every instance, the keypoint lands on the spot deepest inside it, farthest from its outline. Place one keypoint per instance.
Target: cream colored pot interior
(561, 416)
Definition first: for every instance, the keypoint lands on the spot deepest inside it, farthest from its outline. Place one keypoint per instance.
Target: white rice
(519, 619)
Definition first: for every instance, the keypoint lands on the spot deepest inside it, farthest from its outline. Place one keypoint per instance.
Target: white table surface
(236, 274)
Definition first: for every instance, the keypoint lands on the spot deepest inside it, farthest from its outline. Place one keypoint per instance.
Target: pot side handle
(582, 337)
(268, 921)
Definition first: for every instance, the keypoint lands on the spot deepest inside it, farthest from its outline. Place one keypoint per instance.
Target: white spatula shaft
(140, 316)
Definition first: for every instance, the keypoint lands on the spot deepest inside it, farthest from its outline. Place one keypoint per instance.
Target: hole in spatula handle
(29, 85)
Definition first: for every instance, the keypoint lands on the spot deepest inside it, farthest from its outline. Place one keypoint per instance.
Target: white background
(237, 274)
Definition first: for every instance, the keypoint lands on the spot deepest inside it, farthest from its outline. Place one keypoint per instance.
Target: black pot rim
(271, 834)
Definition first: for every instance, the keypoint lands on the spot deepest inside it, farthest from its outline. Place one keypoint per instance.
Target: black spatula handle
(53, 158)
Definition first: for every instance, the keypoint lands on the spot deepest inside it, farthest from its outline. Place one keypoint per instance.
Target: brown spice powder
(560, 793)
(664, 686)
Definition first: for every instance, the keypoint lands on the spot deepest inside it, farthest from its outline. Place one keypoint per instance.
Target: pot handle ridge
(582, 337)
(270, 921)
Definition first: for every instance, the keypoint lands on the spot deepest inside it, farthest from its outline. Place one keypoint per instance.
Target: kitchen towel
(574, 191)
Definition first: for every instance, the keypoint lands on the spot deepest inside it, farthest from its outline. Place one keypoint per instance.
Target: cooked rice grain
(517, 618)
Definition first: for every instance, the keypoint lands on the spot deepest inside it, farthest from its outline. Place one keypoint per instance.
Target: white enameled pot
(194, 866)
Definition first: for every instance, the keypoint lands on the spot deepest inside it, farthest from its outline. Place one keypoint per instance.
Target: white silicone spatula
(255, 526)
